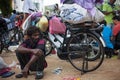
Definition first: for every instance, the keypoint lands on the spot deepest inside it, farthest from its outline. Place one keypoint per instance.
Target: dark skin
(37, 53)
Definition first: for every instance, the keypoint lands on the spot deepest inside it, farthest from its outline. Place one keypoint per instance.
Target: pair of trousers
(36, 66)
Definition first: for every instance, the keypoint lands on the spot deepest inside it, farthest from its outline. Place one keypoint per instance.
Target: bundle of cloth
(78, 11)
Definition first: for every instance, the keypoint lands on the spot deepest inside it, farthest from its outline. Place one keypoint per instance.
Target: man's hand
(37, 52)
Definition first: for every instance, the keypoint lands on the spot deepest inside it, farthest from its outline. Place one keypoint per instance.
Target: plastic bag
(43, 24)
(35, 15)
(56, 26)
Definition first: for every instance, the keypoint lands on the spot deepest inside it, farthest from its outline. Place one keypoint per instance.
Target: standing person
(30, 54)
(109, 9)
(13, 17)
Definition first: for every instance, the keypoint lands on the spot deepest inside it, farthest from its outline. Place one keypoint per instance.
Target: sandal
(7, 74)
(39, 75)
(19, 75)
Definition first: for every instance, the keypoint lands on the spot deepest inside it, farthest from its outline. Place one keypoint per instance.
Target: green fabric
(106, 7)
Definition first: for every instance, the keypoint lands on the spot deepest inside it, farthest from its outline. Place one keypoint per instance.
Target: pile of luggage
(79, 11)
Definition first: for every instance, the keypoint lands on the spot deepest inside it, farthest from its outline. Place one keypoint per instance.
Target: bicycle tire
(1, 46)
(79, 52)
(48, 46)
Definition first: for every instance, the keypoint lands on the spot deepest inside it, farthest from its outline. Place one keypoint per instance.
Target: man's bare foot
(25, 72)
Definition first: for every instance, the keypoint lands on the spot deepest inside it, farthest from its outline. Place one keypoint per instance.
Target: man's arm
(105, 9)
(23, 50)
(107, 13)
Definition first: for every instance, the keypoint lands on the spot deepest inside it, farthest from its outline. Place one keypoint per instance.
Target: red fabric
(116, 29)
(45, 64)
(4, 70)
(41, 42)
(53, 51)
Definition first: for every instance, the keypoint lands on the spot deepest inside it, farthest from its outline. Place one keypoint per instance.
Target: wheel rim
(90, 62)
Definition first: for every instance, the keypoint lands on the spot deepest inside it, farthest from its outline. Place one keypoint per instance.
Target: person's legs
(40, 63)
(27, 66)
(36, 63)
(111, 52)
(38, 66)
(106, 52)
(23, 60)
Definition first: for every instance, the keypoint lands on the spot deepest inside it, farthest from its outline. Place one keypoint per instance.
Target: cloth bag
(56, 26)
(99, 16)
(73, 13)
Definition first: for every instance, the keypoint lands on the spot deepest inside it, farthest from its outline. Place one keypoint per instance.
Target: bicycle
(81, 43)
(10, 36)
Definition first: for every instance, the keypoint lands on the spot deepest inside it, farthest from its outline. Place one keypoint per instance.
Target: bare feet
(25, 72)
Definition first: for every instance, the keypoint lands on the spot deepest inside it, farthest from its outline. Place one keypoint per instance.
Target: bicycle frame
(6, 39)
(59, 41)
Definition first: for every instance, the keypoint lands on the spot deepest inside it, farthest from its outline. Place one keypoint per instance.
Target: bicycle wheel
(48, 46)
(86, 52)
(1, 46)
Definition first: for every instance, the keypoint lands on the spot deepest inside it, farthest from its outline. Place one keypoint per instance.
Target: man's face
(115, 22)
(112, 1)
(35, 37)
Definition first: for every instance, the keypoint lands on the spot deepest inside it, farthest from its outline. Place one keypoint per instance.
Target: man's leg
(36, 63)
(23, 59)
(39, 67)
(27, 66)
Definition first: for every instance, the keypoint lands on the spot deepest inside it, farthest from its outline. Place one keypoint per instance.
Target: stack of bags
(79, 11)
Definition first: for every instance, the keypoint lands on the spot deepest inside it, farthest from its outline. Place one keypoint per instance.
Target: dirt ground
(109, 70)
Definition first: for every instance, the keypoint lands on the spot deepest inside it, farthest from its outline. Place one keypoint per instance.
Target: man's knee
(16, 52)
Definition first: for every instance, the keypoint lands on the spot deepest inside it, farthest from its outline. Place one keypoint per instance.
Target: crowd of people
(112, 18)
(30, 52)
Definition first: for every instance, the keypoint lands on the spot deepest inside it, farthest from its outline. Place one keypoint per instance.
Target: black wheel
(86, 52)
(48, 46)
(1, 46)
